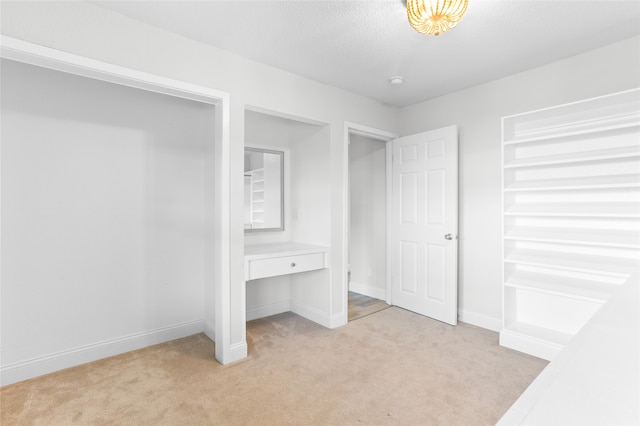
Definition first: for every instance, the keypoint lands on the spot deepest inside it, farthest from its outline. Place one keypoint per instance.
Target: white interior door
(424, 224)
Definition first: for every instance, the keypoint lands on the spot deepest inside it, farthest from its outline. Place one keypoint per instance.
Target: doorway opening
(361, 306)
(367, 263)
(421, 221)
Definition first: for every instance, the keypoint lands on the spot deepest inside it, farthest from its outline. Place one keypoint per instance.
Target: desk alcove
(272, 285)
(300, 265)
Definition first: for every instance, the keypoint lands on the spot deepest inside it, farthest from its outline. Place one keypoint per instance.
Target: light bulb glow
(435, 16)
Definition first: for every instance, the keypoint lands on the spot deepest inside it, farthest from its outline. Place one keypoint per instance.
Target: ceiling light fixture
(435, 16)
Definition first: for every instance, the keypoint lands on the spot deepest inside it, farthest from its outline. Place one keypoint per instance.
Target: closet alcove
(108, 218)
(307, 214)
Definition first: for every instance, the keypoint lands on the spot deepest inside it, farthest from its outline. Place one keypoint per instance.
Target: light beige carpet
(389, 368)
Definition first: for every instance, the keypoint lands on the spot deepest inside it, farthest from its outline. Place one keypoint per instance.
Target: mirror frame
(281, 154)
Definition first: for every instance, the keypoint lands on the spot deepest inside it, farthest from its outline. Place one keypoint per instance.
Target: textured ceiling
(359, 45)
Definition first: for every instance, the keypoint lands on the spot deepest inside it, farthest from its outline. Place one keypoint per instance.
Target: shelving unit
(257, 196)
(571, 223)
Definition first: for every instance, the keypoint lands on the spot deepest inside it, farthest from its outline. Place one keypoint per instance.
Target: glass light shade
(435, 16)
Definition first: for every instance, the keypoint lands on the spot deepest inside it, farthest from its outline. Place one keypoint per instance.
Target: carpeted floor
(392, 367)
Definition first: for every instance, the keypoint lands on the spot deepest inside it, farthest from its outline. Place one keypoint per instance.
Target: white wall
(477, 112)
(368, 216)
(104, 193)
(311, 219)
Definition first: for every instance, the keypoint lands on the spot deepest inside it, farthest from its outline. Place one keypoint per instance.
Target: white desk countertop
(266, 250)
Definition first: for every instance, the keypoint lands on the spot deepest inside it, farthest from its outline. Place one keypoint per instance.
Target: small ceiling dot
(396, 81)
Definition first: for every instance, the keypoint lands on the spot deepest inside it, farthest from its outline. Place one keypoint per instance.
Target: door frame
(351, 128)
(217, 328)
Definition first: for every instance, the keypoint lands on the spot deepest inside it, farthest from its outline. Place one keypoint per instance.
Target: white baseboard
(480, 320)
(238, 351)
(210, 330)
(338, 320)
(529, 344)
(268, 310)
(34, 367)
(312, 314)
(367, 290)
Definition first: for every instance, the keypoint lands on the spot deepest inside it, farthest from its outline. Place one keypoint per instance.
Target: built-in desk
(274, 259)
(304, 294)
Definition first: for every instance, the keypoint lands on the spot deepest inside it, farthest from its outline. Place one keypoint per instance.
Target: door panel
(436, 291)
(409, 153)
(436, 183)
(424, 212)
(409, 197)
(409, 262)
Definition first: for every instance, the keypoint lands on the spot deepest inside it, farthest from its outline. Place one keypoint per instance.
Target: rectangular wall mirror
(263, 190)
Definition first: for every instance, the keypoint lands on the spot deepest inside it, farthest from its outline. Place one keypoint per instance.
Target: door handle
(448, 237)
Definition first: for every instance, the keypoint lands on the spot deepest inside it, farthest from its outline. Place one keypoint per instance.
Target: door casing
(377, 134)
(388, 137)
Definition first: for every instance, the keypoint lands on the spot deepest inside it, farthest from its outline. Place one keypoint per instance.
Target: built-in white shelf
(587, 182)
(621, 122)
(571, 207)
(595, 209)
(594, 291)
(578, 157)
(591, 237)
(577, 262)
(604, 114)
